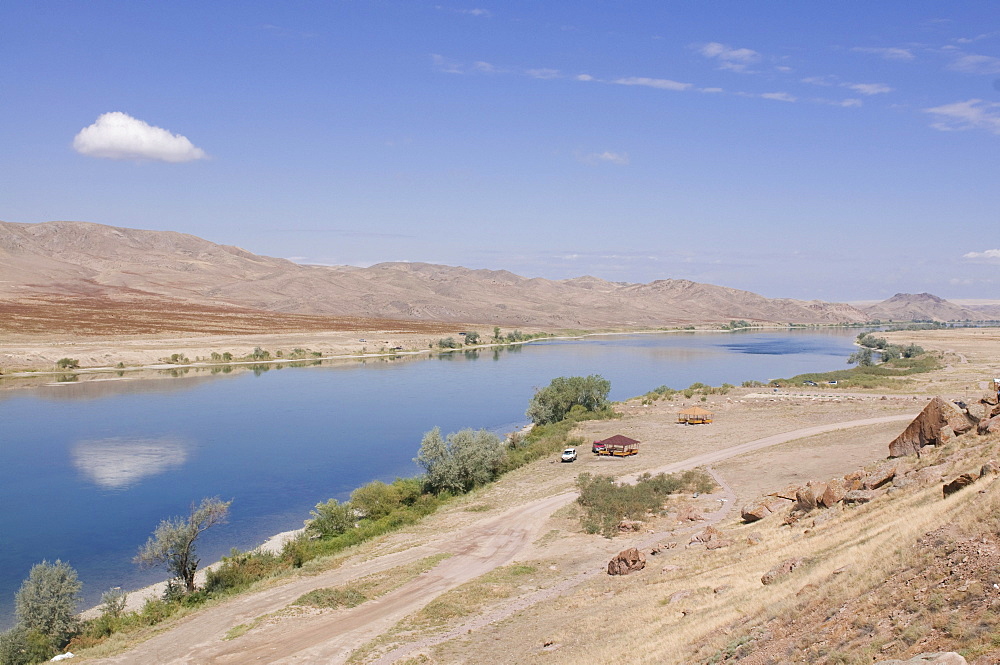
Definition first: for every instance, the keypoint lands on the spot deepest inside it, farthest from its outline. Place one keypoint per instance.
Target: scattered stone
(709, 534)
(936, 658)
(782, 569)
(805, 499)
(689, 514)
(669, 569)
(718, 544)
(824, 517)
(859, 496)
(678, 596)
(629, 525)
(963, 480)
(754, 512)
(841, 570)
(723, 589)
(989, 468)
(754, 538)
(854, 480)
(788, 493)
(936, 424)
(989, 425)
(627, 561)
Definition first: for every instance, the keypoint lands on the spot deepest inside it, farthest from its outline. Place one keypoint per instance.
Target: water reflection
(117, 463)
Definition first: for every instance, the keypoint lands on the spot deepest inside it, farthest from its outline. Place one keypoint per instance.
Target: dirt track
(330, 638)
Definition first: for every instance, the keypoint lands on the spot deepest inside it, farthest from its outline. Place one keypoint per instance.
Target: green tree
(552, 403)
(19, 646)
(46, 602)
(496, 333)
(462, 460)
(472, 337)
(448, 343)
(331, 518)
(376, 499)
(173, 542)
(67, 363)
(862, 357)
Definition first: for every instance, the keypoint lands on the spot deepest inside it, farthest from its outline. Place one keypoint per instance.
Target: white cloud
(971, 114)
(484, 13)
(117, 135)
(619, 158)
(662, 84)
(868, 88)
(485, 67)
(988, 256)
(735, 59)
(850, 103)
(584, 77)
(710, 90)
(897, 54)
(976, 64)
(819, 80)
(545, 74)
(779, 96)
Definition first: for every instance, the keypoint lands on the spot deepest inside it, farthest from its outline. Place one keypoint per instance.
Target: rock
(629, 525)
(935, 658)
(859, 496)
(709, 534)
(754, 538)
(989, 426)
(824, 517)
(963, 480)
(854, 481)
(669, 569)
(627, 561)
(718, 543)
(880, 476)
(805, 499)
(782, 569)
(678, 596)
(754, 512)
(834, 494)
(788, 493)
(902, 481)
(989, 468)
(929, 428)
(807, 589)
(722, 589)
(689, 514)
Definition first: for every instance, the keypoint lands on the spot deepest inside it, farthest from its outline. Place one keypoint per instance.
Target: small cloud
(779, 96)
(988, 256)
(442, 64)
(117, 135)
(584, 77)
(661, 84)
(868, 88)
(734, 59)
(617, 158)
(819, 80)
(897, 54)
(976, 64)
(784, 68)
(710, 90)
(971, 114)
(850, 103)
(485, 67)
(544, 74)
(484, 13)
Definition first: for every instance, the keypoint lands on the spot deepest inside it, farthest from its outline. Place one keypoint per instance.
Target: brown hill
(79, 259)
(919, 307)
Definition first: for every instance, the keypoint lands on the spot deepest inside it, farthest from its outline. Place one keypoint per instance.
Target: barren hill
(920, 306)
(84, 260)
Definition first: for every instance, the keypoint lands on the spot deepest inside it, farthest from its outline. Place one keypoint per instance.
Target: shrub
(376, 499)
(331, 518)
(20, 646)
(67, 363)
(448, 343)
(46, 602)
(241, 569)
(461, 461)
(554, 402)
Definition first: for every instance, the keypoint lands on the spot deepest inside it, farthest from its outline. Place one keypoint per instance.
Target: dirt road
(329, 638)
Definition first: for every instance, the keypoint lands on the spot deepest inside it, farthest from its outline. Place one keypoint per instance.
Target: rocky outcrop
(936, 658)
(753, 512)
(989, 426)
(936, 424)
(961, 482)
(834, 494)
(879, 477)
(627, 561)
(782, 569)
(859, 496)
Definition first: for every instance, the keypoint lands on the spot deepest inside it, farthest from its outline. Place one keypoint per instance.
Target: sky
(842, 151)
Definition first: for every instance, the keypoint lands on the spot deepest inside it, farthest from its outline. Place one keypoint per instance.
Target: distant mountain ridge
(94, 260)
(920, 307)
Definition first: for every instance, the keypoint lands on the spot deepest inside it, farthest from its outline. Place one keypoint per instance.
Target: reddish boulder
(936, 424)
(880, 476)
(834, 493)
(989, 426)
(989, 469)
(854, 480)
(962, 481)
(627, 561)
(782, 569)
(859, 496)
(805, 499)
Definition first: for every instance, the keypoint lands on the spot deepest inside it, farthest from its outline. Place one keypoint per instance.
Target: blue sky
(841, 151)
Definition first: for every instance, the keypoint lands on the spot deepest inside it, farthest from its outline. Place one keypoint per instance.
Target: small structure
(617, 446)
(694, 415)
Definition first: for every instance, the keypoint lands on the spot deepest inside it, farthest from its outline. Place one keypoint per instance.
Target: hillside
(72, 260)
(919, 307)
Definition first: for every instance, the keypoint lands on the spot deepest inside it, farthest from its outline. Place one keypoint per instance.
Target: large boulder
(859, 496)
(936, 424)
(806, 498)
(880, 476)
(627, 561)
(758, 510)
(962, 481)
(834, 493)
(989, 425)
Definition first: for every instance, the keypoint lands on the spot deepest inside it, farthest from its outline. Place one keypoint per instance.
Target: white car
(568, 455)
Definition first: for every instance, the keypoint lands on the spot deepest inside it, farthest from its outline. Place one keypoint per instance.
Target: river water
(87, 470)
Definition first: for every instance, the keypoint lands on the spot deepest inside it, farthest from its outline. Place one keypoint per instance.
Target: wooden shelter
(617, 446)
(694, 415)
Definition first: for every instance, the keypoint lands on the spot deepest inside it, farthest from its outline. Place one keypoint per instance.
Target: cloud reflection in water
(119, 462)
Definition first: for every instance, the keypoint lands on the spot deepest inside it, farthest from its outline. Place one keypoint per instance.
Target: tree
(496, 333)
(67, 363)
(462, 460)
(552, 403)
(472, 337)
(46, 602)
(863, 357)
(376, 499)
(331, 518)
(173, 542)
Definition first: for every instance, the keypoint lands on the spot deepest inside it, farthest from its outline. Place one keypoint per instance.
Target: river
(88, 469)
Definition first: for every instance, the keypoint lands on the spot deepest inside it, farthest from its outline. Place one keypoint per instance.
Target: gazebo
(694, 415)
(617, 446)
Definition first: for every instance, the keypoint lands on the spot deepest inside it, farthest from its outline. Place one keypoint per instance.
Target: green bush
(554, 402)
(461, 461)
(376, 499)
(67, 363)
(331, 518)
(241, 569)
(46, 602)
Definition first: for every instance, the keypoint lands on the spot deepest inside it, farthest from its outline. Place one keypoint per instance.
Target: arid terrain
(521, 582)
